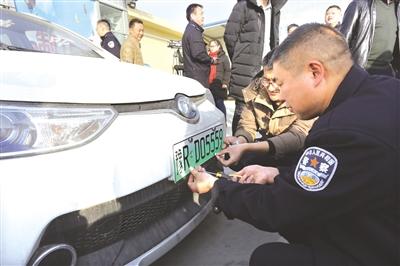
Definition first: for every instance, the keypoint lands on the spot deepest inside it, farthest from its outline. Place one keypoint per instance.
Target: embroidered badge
(111, 44)
(315, 169)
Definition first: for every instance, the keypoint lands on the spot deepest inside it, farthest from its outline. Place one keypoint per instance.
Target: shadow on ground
(218, 241)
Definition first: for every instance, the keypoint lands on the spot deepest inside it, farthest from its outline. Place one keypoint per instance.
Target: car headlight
(186, 107)
(35, 129)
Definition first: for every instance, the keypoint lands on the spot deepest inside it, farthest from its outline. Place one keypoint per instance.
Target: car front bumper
(133, 154)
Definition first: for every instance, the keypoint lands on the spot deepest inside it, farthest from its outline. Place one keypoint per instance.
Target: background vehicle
(93, 152)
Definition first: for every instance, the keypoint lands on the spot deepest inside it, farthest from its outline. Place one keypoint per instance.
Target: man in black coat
(339, 205)
(251, 32)
(196, 61)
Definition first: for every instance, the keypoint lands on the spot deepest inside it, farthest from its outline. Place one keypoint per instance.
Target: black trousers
(239, 106)
(282, 254)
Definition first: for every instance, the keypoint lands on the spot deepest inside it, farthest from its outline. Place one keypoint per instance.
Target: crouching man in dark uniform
(339, 205)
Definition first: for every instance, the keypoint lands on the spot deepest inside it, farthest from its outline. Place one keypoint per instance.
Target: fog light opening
(57, 254)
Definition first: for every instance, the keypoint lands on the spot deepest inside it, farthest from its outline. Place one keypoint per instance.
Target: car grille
(130, 214)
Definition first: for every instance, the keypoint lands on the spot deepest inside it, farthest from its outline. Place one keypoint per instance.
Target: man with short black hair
(108, 41)
(196, 61)
(371, 28)
(131, 50)
(339, 204)
(291, 28)
(333, 16)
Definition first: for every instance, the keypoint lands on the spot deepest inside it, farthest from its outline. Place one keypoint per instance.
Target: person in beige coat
(130, 50)
(280, 133)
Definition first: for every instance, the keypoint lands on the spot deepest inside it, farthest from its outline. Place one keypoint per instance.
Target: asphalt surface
(218, 241)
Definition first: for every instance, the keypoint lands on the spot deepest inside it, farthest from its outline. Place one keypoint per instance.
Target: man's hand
(235, 153)
(258, 174)
(232, 140)
(199, 181)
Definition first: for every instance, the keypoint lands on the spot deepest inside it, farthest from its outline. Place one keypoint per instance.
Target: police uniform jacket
(278, 125)
(343, 195)
(110, 43)
(196, 61)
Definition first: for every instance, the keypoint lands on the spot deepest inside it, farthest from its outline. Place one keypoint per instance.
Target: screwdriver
(223, 175)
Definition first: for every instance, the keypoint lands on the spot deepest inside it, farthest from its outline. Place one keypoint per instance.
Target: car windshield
(25, 33)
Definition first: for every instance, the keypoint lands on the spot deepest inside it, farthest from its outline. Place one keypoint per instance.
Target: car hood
(42, 77)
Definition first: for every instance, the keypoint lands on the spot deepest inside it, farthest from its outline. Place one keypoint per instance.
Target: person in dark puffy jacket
(196, 61)
(251, 32)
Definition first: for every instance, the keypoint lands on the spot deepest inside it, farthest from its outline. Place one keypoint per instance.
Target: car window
(4, 39)
(32, 34)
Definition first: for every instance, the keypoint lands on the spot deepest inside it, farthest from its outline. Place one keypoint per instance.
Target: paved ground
(218, 241)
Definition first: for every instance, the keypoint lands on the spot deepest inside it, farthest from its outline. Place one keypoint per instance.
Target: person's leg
(219, 103)
(239, 105)
(282, 254)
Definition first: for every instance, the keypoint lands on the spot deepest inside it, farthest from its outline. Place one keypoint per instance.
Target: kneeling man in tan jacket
(280, 133)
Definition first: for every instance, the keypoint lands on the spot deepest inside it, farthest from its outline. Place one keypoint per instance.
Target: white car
(94, 153)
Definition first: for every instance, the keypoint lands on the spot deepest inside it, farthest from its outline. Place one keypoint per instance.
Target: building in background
(9, 4)
(215, 31)
(156, 43)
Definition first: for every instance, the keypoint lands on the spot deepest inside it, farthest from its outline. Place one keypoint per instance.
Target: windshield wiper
(4, 46)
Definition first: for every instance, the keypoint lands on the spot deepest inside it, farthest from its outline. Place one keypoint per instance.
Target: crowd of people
(316, 138)
(315, 132)
(130, 51)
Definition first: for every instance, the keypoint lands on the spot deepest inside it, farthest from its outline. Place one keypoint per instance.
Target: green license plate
(196, 150)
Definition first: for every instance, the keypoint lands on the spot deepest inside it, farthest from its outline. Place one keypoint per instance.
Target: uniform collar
(104, 36)
(196, 26)
(348, 86)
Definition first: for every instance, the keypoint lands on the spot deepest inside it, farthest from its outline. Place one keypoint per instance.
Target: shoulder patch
(315, 169)
(111, 44)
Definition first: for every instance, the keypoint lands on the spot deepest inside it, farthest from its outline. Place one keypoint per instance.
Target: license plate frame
(193, 151)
